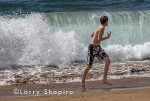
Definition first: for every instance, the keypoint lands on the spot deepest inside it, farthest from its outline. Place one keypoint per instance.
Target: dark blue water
(47, 6)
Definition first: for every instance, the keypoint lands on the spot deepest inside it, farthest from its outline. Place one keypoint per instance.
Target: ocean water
(56, 33)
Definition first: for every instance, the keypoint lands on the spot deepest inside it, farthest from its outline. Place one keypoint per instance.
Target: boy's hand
(109, 34)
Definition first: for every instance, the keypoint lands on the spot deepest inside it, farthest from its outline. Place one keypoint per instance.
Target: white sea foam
(129, 52)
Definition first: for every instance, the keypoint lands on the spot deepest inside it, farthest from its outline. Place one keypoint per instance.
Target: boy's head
(104, 20)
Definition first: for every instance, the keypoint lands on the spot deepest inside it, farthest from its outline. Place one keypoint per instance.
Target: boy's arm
(101, 35)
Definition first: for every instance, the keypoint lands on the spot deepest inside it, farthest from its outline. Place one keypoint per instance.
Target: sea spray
(31, 40)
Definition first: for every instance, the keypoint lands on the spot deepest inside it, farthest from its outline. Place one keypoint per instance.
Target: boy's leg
(84, 75)
(107, 63)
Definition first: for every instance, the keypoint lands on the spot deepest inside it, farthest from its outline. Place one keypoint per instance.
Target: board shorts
(95, 51)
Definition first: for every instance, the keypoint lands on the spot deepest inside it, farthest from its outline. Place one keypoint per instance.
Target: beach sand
(127, 89)
(121, 95)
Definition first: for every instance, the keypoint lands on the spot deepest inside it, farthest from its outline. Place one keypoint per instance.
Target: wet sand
(127, 89)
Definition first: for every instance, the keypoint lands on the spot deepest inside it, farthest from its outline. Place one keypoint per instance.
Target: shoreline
(72, 73)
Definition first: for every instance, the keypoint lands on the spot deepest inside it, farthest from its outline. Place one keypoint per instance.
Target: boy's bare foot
(107, 82)
(83, 86)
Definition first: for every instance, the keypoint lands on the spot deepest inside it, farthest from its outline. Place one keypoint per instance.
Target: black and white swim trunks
(95, 51)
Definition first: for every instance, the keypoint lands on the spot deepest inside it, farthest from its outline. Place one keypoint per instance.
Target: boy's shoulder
(100, 28)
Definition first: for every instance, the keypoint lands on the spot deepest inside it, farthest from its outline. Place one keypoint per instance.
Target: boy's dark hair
(103, 19)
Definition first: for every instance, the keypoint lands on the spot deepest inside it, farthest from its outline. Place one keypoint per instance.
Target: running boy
(95, 50)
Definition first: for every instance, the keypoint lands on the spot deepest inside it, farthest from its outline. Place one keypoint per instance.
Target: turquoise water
(57, 32)
(128, 27)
